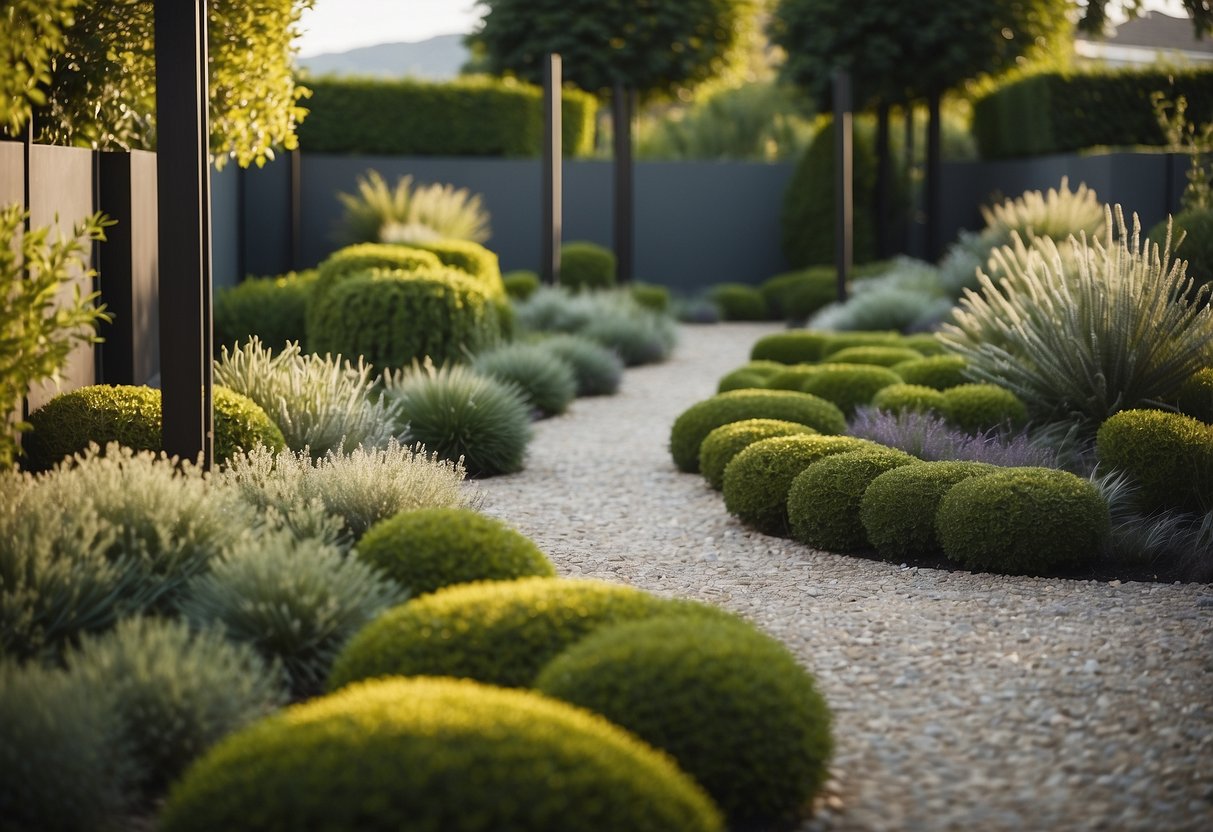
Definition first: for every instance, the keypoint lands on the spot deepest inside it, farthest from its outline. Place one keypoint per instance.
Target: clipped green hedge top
(473, 258)
(725, 442)
(877, 355)
(467, 117)
(1195, 396)
(849, 386)
(586, 265)
(916, 398)
(274, 309)
(938, 371)
(1169, 455)
(798, 347)
(978, 407)
(360, 259)
(739, 302)
(838, 341)
(436, 754)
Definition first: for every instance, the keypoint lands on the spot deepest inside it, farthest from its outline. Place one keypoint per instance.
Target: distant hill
(436, 59)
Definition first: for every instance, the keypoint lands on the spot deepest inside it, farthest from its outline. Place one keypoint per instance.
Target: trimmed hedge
(795, 296)
(738, 302)
(1169, 455)
(798, 347)
(978, 407)
(357, 260)
(470, 258)
(876, 355)
(520, 284)
(838, 341)
(273, 309)
(1022, 521)
(436, 754)
(937, 371)
(698, 420)
(753, 374)
(900, 398)
(793, 377)
(898, 508)
(849, 385)
(725, 442)
(467, 117)
(651, 296)
(1195, 396)
(585, 265)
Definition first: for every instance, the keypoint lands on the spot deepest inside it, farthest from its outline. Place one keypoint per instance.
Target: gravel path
(961, 701)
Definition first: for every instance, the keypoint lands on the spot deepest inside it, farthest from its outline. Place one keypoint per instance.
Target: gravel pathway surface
(961, 701)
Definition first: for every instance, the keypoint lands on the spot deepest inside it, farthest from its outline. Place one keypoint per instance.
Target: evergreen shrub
(738, 302)
(795, 347)
(651, 296)
(520, 284)
(979, 407)
(273, 309)
(586, 265)
(794, 296)
(725, 442)
(361, 259)
(879, 356)
(1169, 455)
(937, 371)
(753, 374)
(898, 398)
(849, 385)
(1195, 396)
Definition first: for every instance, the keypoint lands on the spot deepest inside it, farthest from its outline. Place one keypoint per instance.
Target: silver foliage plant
(1116, 329)
(321, 403)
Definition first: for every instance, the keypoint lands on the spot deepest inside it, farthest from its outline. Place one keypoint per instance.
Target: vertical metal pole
(934, 196)
(553, 154)
(844, 197)
(295, 197)
(621, 119)
(883, 179)
(911, 181)
(184, 205)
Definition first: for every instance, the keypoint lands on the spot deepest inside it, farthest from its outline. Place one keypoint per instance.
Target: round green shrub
(824, 499)
(849, 385)
(898, 508)
(520, 284)
(700, 419)
(738, 302)
(1195, 396)
(837, 341)
(917, 398)
(1196, 226)
(427, 549)
(796, 347)
(757, 480)
(725, 442)
(585, 265)
(436, 754)
(273, 309)
(1168, 454)
(727, 702)
(797, 295)
(360, 259)
(978, 407)
(498, 632)
(547, 381)
(792, 377)
(472, 259)
(753, 374)
(241, 425)
(652, 297)
(879, 356)
(923, 343)
(937, 371)
(392, 318)
(1022, 521)
(598, 370)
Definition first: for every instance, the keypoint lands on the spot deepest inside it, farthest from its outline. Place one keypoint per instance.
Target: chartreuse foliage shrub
(754, 374)
(469, 117)
(898, 508)
(457, 413)
(35, 36)
(898, 398)
(793, 377)
(520, 284)
(444, 754)
(757, 480)
(727, 702)
(362, 258)
(547, 381)
(879, 356)
(430, 548)
(924, 343)
(739, 302)
(795, 347)
(1022, 520)
(795, 296)
(979, 407)
(697, 421)
(586, 265)
(725, 442)
(472, 259)
(1169, 455)
(499, 632)
(598, 370)
(849, 385)
(837, 341)
(937, 371)
(273, 309)
(824, 499)
(1195, 396)
(175, 692)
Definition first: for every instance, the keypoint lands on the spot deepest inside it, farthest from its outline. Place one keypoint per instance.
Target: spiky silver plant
(379, 212)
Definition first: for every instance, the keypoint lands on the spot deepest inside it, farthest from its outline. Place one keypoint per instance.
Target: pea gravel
(961, 701)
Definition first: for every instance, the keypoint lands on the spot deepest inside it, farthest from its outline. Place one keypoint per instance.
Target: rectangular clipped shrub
(466, 117)
(1060, 112)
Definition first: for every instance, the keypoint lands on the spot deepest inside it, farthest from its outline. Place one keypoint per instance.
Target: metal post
(183, 193)
(295, 206)
(934, 196)
(553, 154)
(621, 119)
(844, 197)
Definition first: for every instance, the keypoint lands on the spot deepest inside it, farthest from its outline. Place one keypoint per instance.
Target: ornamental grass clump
(598, 370)
(401, 213)
(725, 442)
(547, 381)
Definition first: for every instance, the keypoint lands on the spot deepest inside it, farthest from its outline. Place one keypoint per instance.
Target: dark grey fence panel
(267, 218)
(226, 266)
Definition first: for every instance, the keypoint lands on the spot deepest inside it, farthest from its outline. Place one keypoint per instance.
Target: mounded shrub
(520, 284)
(472, 259)
(651, 297)
(797, 347)
(898, 398)
(1196, 226)
(391, 318)
(824, 499)
(795, 296)
(498, 632)
(792, 377)
(742, 378)
(547, 381)
(435, 754)
(637, 335)
(1022, 521)
(697, 421)
(738, 302)
(360, 259)
(727, 702)
(273, 309)
(923, 343)
(979, 407)
(757, 480)
(725, 442)
(241, 425)
(898, 508)
(585, 265)
(849, 385)
(837, 341)
(879, 356)
(597, 369)
(937, 371)
(1169, 455)
(1195, 396)
(428, 549)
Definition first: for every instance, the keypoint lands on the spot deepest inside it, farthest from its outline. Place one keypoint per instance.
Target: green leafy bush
(937, 371)
(876, 355)
(698, 420)
(924, 343)
(272, 309)
(1022, 520)
(520, 284)
(849, 385)
(824, 500)
(428, 549)
(838, 341)
(295, 600)
(898, 398)
(794, 296)
(457, 413)
(793, 377)
(1169, 455)
(1196, 227)
(598, 370)
(547, 381)
(241, 425)
(499, 632)
(739, 302)
(757, 480)
(472, 259)
(437, 754)
(362, 258)
(651, 297)
(1195, 396)
(727, 702)
(379, 213)
(585, 265)
(468, 117)
(725, 442)
(752, 374)
(979, 407)
(898, 508)
(796, 347)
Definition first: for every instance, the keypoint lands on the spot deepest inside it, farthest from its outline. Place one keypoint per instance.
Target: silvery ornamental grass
(1118, 330)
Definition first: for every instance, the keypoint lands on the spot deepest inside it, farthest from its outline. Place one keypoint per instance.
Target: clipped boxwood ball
(520, 284)
(241, 425)
(436, 754)
(1168, 454)
(937, 371)
(499, 632)
(741, 379)
(824, 500)
(798, 347)
(430, 548)
(879, 356)
(585, 265)
(738, 302)
(757, 480)
(975, 408)
(697, 421)
(1022, 521)
(837, 341)
(724, 443)
(898, 508)
(360, 259)
(914, 398)
(849, 385)
(472, 259)
(923, 343)
(793, 377)
(727, 702)
(1195, 396)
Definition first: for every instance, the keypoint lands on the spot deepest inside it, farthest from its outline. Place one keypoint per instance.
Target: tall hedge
(1056, 112)
(466, 117)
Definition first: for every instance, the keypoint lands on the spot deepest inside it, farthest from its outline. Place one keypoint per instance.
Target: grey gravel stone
(961, 701)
